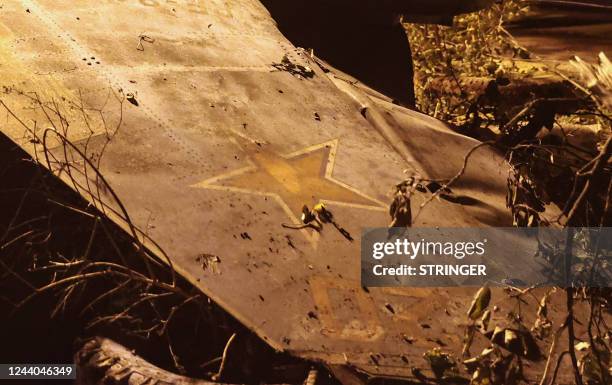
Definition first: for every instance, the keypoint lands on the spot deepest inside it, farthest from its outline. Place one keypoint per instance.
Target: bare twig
(220, 372)
(569, 292)
(453, 179)
(598, 164)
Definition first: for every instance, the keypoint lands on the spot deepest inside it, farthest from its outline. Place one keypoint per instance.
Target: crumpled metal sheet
(212, 130)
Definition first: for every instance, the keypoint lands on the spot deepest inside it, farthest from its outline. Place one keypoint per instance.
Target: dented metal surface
(211, 131)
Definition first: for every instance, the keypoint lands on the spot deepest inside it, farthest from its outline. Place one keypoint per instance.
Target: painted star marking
(294, 180)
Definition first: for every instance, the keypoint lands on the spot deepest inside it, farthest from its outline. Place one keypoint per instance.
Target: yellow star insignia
(294, 180)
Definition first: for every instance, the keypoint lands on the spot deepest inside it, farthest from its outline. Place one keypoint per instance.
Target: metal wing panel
(213, 131)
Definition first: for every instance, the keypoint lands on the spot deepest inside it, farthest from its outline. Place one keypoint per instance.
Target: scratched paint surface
(215, 142)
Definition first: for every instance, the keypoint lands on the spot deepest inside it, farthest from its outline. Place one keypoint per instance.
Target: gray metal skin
(210, 130)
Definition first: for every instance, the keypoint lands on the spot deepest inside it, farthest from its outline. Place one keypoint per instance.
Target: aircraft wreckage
(203, 132)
